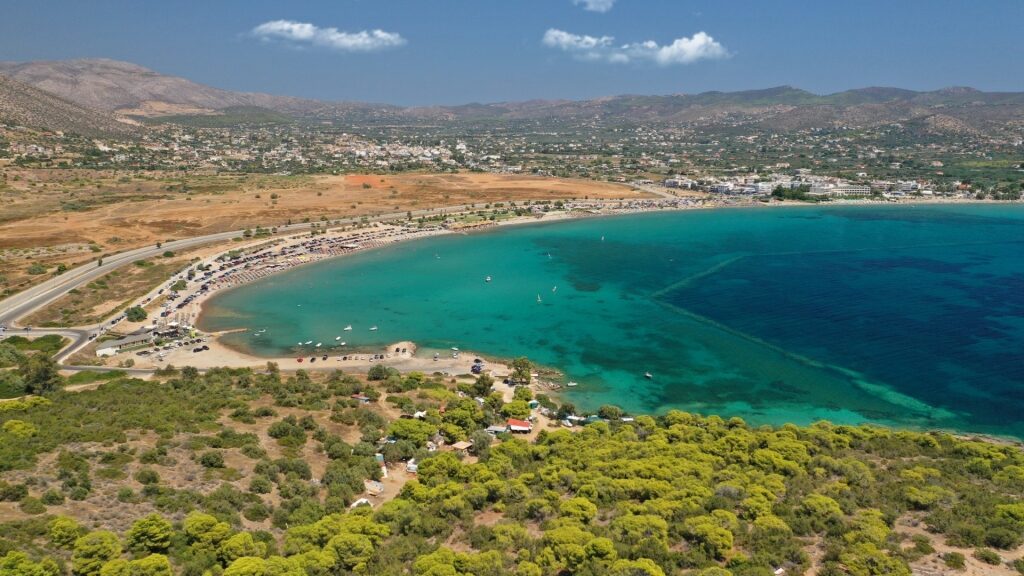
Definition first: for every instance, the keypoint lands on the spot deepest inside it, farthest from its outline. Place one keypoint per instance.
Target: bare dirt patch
(117, 211)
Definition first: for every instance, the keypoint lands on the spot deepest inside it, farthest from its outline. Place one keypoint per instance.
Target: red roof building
(519, 425)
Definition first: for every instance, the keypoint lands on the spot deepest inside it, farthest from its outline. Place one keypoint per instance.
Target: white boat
(342, 344)
(648, 375)
(372, 328)
(348, 328)
(488, 279)
(308, 342)
(538, 299)
(554, 289)
(336, 338)
(454, 349)
(571, 384)
(319, 344)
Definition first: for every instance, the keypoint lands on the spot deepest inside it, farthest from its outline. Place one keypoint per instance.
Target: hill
(260, 473)
(24, 105)
(131, 89)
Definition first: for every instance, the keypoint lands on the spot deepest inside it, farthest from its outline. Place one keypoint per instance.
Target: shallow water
(910, 315)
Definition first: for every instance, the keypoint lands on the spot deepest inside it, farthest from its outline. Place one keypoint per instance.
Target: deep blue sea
(905, 315)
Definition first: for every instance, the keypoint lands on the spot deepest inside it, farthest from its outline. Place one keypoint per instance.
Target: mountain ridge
(130, 89)
(25, 105)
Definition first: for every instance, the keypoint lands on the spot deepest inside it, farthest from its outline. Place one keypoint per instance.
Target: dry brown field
(73, 216)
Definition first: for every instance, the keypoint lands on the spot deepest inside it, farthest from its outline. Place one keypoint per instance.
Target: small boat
(299, 344)
(554, 289)
(454, 349)
(319, 344)
(308, 342)
(538, 299)
(348, 328)
(488, 279)
(373, 328)
(571, 384)
(336, 338)
(648, 375)
(342, 344)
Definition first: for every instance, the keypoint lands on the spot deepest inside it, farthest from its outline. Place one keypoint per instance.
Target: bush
(212, 459)
(147, 476)
(988, 556)
(12, 492)
(256, 512)
(30, 505)
(260, 485)
(135, 314)
(954, 560)
(53, 498)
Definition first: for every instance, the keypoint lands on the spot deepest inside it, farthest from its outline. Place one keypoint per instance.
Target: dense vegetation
(677, 494)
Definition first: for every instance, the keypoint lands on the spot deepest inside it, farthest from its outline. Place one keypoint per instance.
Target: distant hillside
(24, 105)
(130, 88)
(133, 90)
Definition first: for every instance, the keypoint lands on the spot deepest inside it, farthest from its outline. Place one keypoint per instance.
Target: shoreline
(223, 354)
(202, 301)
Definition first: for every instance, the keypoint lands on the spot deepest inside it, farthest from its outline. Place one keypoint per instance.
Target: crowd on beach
(273, 259)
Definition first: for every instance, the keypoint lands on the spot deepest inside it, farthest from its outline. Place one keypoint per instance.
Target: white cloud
(304, 33)
(683, 50)
(595, 5)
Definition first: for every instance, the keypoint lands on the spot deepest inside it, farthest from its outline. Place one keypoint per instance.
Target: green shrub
(212, 459)
(988, 556)
(52, 498)
(30, 505)
(147, 476)
(954, 560)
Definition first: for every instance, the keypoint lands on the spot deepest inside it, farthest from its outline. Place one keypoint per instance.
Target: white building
(840, 190)
(114, 346)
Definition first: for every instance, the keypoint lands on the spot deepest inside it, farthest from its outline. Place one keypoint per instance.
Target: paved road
(26, 302)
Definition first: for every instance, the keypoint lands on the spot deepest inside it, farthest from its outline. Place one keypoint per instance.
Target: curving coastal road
(26, 302)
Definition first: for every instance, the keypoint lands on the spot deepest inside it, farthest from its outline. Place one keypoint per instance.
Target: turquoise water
(908, 315)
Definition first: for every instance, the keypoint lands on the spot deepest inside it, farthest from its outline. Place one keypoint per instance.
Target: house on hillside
(519, 426)
(462, 446)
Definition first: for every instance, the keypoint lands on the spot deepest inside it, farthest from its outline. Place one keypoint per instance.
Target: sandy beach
(260, 258)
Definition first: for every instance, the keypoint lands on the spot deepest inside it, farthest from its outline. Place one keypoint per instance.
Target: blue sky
(459, 51)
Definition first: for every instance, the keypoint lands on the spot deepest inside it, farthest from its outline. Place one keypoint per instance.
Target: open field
(98, 299)
(53, 217)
